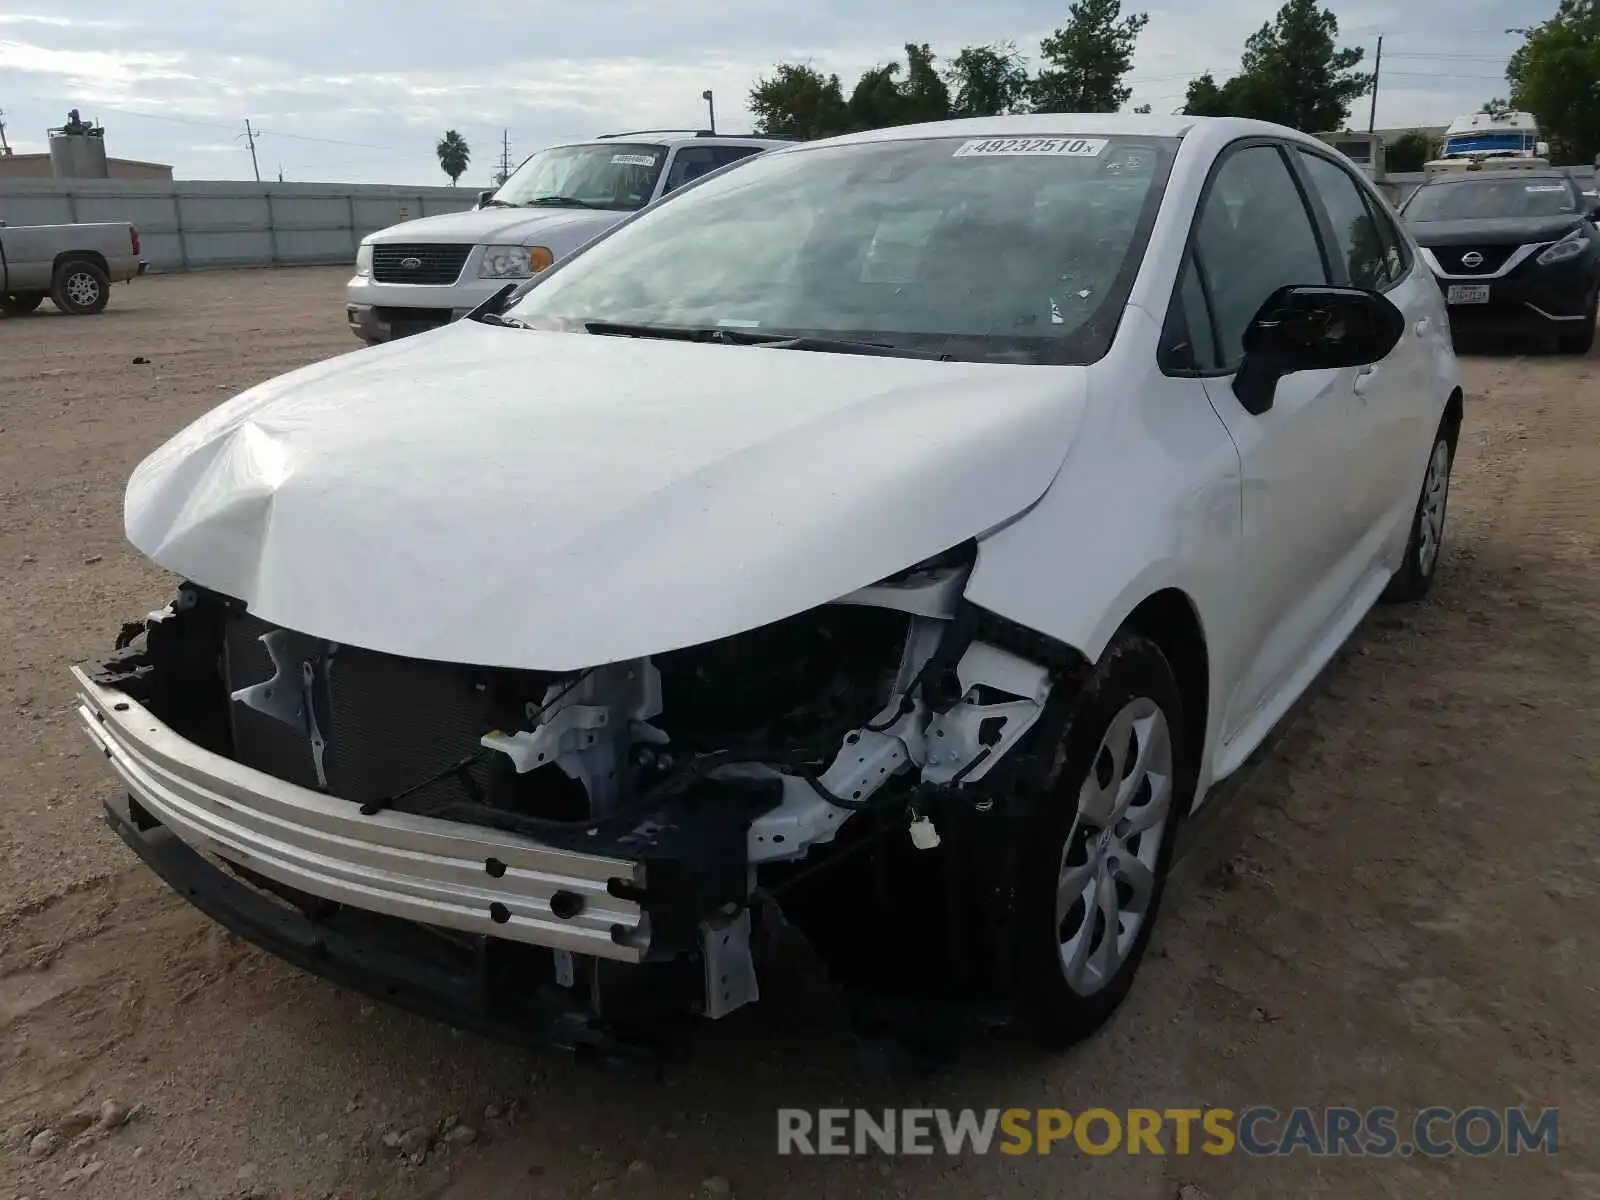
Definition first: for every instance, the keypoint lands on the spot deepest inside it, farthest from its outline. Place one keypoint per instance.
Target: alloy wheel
(1108, 866)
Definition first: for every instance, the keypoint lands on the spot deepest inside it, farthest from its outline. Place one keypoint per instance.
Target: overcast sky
(377, 82)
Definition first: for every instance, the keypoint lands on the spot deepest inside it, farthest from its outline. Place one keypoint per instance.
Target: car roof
(1221, 129)
(672, 138)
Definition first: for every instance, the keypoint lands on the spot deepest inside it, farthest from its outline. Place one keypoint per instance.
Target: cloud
(360, 90)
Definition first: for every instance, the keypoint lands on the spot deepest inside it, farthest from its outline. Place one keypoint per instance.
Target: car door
(1254, 233)
(1397, 411)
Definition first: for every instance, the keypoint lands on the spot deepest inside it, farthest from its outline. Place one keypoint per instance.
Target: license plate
(1467, 293)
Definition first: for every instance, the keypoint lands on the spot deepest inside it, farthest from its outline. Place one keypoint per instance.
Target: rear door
(1254, 233)
(1397, 410)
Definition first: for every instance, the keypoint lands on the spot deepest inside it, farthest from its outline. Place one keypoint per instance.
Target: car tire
(1102, 843)
(81, 287)
(18, 304)
(1581, 340)
(1425, 542)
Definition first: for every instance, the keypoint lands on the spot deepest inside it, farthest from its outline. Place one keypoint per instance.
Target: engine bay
(734, 770)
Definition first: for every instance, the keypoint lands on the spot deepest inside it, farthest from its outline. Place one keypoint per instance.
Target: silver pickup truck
(74, 265)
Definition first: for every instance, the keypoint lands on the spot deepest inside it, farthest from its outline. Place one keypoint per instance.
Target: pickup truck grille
(402, 263)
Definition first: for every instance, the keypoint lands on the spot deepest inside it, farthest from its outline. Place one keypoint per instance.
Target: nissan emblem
(1470, 259)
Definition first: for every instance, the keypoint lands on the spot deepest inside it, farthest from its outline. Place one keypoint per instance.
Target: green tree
(987, 81)
(881, 98)
(1553, 75)
(925, 95)
(799, 102)
(1408, 152)
(1205, 99)
(454, 156)
(1291, 72)
(1087, 59)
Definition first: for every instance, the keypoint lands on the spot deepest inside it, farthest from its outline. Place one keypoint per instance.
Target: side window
(1397, 258)
(1189, 343)
(689, 163)
(723, 155)
(1356, 233)
(1253, 236)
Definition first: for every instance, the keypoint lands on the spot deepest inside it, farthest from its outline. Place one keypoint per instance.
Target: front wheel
(1426, 541)
(18, 304)
(81, 288)
(1104, 842)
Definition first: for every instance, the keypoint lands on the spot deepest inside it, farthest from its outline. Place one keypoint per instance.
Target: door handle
(1423, 326)
(1364, 378)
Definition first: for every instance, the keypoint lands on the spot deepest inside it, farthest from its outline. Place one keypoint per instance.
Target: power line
(1441, 75)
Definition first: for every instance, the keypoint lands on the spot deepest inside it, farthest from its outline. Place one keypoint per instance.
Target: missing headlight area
(721, 775)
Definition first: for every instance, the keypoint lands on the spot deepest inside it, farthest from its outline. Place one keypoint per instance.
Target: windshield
(1496, 142)
(984, 249)
(1479, 199)
(608, 175)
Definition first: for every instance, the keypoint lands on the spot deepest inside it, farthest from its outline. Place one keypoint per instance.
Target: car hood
(1495, 231)
(544, 500)
(513, 226)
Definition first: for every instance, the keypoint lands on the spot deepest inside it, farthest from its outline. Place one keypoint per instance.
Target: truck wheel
(20, 303)
(81, 287)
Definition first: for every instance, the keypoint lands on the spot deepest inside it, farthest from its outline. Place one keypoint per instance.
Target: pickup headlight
(514, 262)
(1574, 244)
(364, 259)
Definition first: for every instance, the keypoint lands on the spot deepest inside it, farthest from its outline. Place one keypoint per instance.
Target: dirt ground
(1399, 906)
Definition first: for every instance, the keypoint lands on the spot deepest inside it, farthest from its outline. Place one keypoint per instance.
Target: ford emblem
(1470, 259)
(414, 264)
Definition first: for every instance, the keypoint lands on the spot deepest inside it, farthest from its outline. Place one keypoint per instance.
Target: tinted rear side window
(1355, 229)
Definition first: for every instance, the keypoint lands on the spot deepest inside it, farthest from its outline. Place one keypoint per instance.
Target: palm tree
(453, 155)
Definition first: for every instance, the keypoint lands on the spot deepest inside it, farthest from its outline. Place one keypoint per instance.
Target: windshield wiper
(559, 201)
(499, 204)
(770, 341)
(845, 346)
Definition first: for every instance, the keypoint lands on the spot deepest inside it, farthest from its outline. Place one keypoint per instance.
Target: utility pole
(505, 156)
(5, 146)
(711, 108)
(250, 136)
(1377, 68)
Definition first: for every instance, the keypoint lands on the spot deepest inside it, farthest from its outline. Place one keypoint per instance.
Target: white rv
(1508, 139)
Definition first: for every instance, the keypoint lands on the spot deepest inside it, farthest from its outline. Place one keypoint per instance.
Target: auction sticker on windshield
(634, 160)
(1066, 147)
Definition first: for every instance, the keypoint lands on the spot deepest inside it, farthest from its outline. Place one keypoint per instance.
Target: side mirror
(1541, 149)
(485, 196)
(1312, 328)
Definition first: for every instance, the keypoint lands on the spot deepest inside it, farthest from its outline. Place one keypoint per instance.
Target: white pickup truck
(421, 274)
(74, 265)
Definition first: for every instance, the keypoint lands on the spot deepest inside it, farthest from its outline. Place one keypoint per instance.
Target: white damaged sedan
(892, 539)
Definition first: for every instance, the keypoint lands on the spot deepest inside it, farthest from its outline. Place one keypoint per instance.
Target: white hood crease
(555, 501)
